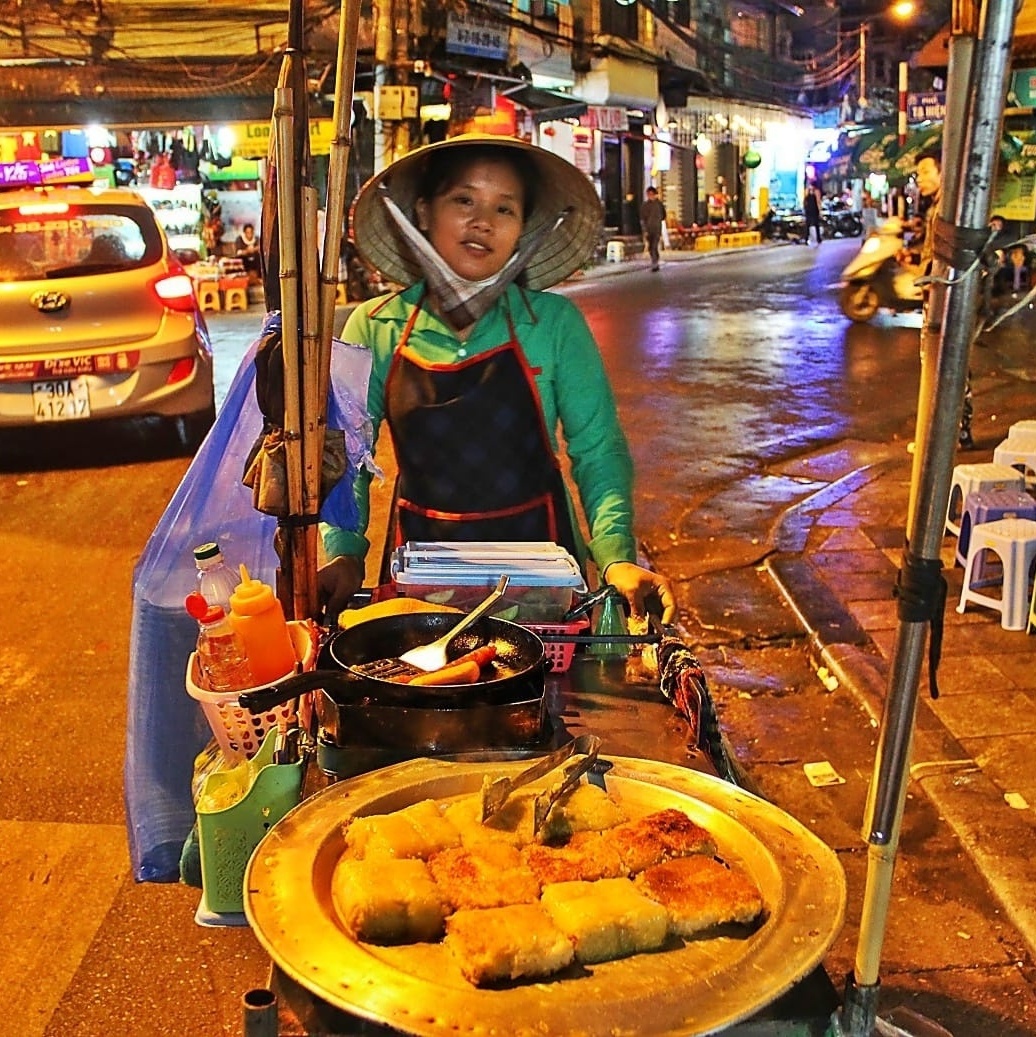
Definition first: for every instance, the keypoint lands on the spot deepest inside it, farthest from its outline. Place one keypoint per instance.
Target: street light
(901, 11)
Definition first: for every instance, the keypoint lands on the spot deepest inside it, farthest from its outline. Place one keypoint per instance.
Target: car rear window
(46, 241)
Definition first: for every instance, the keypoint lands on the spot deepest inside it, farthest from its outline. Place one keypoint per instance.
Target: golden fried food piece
(659, 837)
(491, 874)
(587, 855)
(701, 892)
(506, 943)
(418, 830)
(607, 919)
(381, 900)
(586, 808)
(427, 817)
(512, 824)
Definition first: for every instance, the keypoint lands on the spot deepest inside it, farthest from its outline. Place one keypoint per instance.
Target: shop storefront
(751, 156)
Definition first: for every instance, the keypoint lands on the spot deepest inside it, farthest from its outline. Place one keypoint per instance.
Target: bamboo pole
(348, 34)
(313, 408)
(287, 199)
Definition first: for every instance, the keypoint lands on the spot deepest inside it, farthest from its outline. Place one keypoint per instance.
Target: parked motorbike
(839, 220)
(876, 278)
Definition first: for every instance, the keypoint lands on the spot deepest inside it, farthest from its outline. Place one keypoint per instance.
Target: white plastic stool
(1018, 451)
(977, 478)
(1022, 426)
(615, 252)
(1013, 541)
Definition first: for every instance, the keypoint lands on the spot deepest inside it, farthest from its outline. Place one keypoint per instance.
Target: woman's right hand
(337, 582)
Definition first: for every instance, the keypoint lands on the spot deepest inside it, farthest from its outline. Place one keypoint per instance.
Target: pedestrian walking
(652, 222)
(811, 209)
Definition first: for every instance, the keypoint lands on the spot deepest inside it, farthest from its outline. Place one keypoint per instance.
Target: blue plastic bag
(165, 727)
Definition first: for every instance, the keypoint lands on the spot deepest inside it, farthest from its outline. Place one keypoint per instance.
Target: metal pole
(260, 1013)
(967, 188)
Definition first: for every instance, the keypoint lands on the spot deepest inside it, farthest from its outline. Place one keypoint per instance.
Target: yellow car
(97, 317)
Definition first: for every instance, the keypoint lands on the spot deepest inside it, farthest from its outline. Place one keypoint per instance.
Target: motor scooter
(877, 278)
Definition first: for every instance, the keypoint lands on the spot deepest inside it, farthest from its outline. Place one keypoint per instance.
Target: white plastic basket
(239, 732)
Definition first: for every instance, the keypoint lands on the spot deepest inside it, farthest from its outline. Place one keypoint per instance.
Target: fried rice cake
(491, 874)
(418, 830)
(701, 892)
(585, 808)
(499, 944)
(607, 919)
(381, 900)
(659, 837)
(587, 856)
(512, 824)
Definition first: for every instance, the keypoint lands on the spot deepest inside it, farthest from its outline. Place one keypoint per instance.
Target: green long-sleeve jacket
(573, 388)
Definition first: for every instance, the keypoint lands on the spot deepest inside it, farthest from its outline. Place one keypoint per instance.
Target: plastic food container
(235, 810)
(544, 578)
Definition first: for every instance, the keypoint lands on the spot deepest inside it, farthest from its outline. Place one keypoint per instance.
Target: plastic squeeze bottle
(256, 614)
(216, 580)
(221, 652)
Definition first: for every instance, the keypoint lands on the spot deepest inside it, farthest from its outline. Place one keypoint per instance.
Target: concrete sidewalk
(837, 560)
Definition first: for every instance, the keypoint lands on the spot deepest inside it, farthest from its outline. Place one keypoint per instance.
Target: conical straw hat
(560, 186)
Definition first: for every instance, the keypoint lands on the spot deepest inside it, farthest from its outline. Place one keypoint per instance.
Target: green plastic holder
(227, 836)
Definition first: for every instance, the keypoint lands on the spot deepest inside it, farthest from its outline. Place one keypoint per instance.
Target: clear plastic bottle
(221, 650)
(216, 580)
(258, 617)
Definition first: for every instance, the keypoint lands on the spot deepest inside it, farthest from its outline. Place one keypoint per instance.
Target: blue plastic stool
(989, 506)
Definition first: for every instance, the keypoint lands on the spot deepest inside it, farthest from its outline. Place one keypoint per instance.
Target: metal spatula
(433, 656)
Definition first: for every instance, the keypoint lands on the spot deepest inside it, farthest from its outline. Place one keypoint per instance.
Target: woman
(474, 372)
(811, 209)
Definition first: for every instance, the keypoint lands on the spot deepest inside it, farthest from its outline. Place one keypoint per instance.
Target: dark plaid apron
(474, 457)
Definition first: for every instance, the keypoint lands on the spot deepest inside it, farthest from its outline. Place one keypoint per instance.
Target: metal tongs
(495, 793)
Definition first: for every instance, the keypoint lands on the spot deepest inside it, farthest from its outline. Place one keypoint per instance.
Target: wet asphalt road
(727, 372)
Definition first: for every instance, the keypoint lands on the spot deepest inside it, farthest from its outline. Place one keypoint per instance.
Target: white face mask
(461, 301)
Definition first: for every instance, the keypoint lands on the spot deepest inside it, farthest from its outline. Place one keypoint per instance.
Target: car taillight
(176, 292)
(181, 371)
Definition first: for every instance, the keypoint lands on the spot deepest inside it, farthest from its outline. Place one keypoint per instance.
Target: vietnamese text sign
(925, 107)
(476, 35)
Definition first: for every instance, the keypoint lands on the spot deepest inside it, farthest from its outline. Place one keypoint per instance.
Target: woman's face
(475, 223)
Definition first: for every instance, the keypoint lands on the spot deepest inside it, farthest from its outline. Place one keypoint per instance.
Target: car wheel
(859, 302)
(192, 429)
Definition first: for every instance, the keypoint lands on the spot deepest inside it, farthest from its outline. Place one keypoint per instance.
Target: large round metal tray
(689, 987)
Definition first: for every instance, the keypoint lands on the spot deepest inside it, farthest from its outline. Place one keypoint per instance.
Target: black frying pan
(515, 675)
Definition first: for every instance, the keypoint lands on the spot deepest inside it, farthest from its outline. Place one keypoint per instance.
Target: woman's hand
(337, 582)
(636, 584)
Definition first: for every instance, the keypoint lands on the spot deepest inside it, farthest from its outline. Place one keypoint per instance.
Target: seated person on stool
(247, 250)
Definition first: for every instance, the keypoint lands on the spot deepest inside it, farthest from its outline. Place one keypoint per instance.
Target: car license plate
(63, 399)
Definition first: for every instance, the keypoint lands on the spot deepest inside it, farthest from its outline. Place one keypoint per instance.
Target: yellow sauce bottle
(257, 615)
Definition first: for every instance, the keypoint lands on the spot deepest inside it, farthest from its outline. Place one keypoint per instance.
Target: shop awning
(861, 152)
(936, 52)
(131, 95)
(546, 105)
